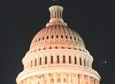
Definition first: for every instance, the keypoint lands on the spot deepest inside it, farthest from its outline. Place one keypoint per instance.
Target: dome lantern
(56, 12)
(56, 15)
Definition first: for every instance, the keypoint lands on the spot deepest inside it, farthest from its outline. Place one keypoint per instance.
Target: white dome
(57, 35)
(57, 55)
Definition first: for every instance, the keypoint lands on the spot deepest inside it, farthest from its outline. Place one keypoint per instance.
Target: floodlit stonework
(57, 55)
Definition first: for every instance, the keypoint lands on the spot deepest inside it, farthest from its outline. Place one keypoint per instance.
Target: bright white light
(105, 62)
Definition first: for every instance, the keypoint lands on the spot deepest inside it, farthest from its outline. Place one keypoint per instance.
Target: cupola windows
(61, 36)
(58, 59)
(63, 58)
(47, 37)
(52, 36)
(45, 59)
(51, 59)
(75, 60)
(69, 59)
(56, 36)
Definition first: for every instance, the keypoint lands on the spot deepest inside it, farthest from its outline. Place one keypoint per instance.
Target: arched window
(51, 59)
(47, 37)
(52, 36)
(57, 59)
(62, 47)
(39, 39)
(66, 37)
(40, 60)
(45, 59)
(50, 47)
(56, 47)
(64, 59)
(61, 36)
(35, 62)
(69, 59)
(56, 36)
(75, 38)
(80, 61)
(75, 60)
(84, 62)
(43, 38)
(70, 37)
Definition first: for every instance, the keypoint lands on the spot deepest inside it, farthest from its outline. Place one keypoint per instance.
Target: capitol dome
(56, 34)
(57, 55)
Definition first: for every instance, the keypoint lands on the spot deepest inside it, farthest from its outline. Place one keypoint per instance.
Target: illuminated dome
(57, 55)
(56, 34)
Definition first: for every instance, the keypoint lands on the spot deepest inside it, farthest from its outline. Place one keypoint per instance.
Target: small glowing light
(105, 62)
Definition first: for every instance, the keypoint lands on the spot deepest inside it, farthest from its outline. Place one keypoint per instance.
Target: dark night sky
(93, 19)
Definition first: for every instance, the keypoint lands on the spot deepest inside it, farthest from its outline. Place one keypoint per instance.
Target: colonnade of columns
(60, 78)
(59, 59)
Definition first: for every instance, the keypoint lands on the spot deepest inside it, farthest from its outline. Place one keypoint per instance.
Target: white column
(62, 78)
(98, 82)
(27, 81)
(43, 60)
(80, 78)
(30, 80)
(61, 59)
(82, 61)
(78, 60)
(48, 79)
(48, 59)
(69, 79)
(72, 60)
(41, 79)
(55, 59)
(34, 80)
(88, 63)
(89, 80)
(83, 79)
(76, 81)
(67, 59)
(55, 78)
(21, 82)
(73, 79)
(17, 82)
